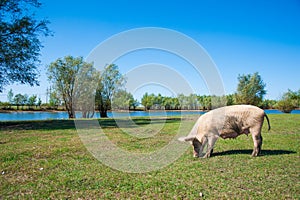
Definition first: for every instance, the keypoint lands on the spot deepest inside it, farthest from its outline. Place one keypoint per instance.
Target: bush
(285, 105)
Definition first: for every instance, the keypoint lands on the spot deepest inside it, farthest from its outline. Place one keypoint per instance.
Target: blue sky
(240, 36)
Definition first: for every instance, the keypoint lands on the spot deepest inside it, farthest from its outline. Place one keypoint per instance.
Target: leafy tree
(123, 100)
(86, 85)
(32, 100)
(289, 101)
(20, 42)
(54, 100)
(250, 90)
(182, 101)
(230, 100)
(192, 102)
(39, 103)
(5, 105)
(285, 105)
(218, 101)
(201, 102)
(147, 100)
(268, 104)
(158, 101)
(175, 103)
(205, 102)
(294, 96)
(24, 100)
(10, 97)
(167, 103)
(63, 73)
(20, 99)
(171, 103)
(111, 81)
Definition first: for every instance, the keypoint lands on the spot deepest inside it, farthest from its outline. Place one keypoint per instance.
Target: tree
(111, 81)
(158, 101)
(31, 101)
(218, 101)
(192, 102)
(175, 103)
(10, 97)
(39, 103)
(168, 103)
(182, 101)
(285, 105)
(20, 42)
(289, 101)
(147, 100)
(230, 100)
(250, 90)
(54, 100)
(294, 96)
(268, 104)
(123, 100)
(86, 85)
(20, 99)
(63, 73)
(205, 102)
(24, 100)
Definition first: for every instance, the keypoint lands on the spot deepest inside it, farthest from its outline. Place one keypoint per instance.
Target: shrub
(285, 105)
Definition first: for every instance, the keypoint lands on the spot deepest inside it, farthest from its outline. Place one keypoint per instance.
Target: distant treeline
(289, 101)
(124, 101)
(90, 91)
(193, 102)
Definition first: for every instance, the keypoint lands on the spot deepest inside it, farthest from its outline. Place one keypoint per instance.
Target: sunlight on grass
(46, 159)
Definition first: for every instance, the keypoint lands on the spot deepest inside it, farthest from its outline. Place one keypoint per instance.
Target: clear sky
(240, 36)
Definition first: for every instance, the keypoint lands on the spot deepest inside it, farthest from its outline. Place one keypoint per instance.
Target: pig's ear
(186, 139)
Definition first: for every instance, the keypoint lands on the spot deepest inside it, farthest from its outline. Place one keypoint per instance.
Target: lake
(41, 115)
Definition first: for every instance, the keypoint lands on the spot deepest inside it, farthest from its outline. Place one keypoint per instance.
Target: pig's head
(197, 145)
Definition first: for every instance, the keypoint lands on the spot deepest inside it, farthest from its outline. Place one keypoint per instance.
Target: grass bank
(46, 159)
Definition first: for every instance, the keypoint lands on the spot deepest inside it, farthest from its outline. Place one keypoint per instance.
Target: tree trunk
(84, 114)
(71, 114)
(70, 109)
(101, 107)
(91, 115)
(103, 113)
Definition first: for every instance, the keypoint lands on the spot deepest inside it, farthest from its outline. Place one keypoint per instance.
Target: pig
(227, 122)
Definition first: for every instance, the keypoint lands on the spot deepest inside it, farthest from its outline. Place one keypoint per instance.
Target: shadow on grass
(69, 124)
(248, 151)
(37, 125)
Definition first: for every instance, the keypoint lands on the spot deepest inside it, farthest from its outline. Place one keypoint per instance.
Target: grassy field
(47, 160)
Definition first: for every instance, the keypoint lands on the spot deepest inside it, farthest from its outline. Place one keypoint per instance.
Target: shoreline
(137, 110)
(131, 110)
(30, 111)
(62, 115)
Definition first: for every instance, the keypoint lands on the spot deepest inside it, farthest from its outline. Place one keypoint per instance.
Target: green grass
(46, 159)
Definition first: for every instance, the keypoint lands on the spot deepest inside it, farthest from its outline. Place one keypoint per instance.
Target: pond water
(20, 116)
